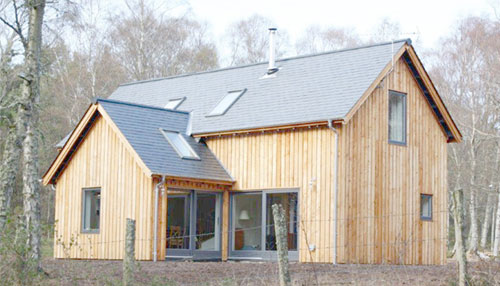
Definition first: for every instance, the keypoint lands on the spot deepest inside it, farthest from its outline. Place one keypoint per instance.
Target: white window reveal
(226, 102)
(180, 145)
(174, 103)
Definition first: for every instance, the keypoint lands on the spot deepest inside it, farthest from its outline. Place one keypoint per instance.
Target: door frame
(192, 252)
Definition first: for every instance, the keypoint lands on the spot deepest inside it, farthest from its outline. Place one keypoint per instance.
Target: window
(174, 103)
(426, 207)
(397, 117)
(91, 210)
(178, 221)
(247, 215)
(226, 102)
(180, 145)
(252, 222)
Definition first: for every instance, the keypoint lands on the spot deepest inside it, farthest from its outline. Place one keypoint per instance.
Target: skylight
(226, 102)
(174, 103)
(180, 145)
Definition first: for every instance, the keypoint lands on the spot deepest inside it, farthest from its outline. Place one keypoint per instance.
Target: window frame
(293, 255)
(430, 199)
(184, 141)
(180, 99)
(82, 229)
(241, 92)
(405, 119)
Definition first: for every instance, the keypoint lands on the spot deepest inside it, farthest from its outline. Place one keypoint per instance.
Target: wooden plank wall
(380, 183)
(104, 161)
(301, 158)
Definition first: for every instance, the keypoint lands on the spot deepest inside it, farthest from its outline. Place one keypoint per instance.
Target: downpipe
(155, 230)
(335, 191)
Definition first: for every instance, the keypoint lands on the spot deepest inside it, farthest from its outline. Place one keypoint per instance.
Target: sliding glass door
(193, 225)
(252, 223)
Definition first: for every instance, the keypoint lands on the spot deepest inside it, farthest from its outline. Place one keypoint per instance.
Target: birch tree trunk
(487, 221)
(496, 243)
(458, 216)
(28, 116)
(474, 230)
(8, 171)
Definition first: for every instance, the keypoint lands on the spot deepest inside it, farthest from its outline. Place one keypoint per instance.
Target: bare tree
(463, 77)
(11, 152)
(248, 40)
(149, 44)
(316, 39)
(27, 115)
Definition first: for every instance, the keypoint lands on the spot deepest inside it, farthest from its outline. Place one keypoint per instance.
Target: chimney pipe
(272, 58)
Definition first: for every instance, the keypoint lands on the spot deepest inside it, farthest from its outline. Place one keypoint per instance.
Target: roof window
(180, 145)
(174, 103)
(226, 102)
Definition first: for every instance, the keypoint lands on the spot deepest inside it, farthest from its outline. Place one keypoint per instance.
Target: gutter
(335, 169)
(155, 230)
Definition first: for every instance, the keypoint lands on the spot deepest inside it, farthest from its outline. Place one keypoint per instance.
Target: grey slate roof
(141, 125)
(310, 88)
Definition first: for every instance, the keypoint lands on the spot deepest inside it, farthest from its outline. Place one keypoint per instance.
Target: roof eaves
(139, 105)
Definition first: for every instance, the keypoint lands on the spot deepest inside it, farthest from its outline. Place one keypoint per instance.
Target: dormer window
(180, 145)
(226, 102)
(174, 103)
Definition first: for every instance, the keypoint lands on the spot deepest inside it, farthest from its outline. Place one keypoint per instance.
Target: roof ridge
(407, 40)
(139, 105)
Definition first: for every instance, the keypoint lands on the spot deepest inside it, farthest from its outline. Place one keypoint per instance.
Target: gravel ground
(86, 272)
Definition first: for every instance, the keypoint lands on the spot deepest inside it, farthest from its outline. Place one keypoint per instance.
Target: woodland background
(88, 50)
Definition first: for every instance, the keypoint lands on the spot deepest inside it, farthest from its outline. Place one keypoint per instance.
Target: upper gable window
(174, 103)
(397, 117)
(180, 145)
(226, 102)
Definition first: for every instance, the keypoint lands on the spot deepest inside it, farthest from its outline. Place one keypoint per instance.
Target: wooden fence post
(458, 217)
(281, 244)
(129, 258)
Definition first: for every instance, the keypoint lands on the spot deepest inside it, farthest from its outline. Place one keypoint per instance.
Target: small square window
(91, 210)
(174, 103)
(397, 117)
(180, 145)
(426, 207)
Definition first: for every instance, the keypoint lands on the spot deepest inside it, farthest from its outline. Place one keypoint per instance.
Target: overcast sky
(432, 19)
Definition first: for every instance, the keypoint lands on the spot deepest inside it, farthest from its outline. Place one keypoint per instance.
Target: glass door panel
(207, 222)
(178, 221)
(289, 203)
(247, 214)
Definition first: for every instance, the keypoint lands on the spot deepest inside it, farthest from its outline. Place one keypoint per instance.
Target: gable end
(74, 147)
(430, 100)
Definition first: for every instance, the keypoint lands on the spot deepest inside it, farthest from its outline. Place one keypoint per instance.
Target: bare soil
(94, 272)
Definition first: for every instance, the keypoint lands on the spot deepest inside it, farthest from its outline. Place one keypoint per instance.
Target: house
(353, 144)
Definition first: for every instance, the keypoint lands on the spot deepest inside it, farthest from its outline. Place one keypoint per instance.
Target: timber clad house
(352, 143)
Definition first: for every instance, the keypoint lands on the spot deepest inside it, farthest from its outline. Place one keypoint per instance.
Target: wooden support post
(162, 225)
(225, 225)
(281, 244)
(129, 258)
(458, 217)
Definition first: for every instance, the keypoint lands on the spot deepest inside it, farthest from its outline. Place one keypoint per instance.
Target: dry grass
(85, 272)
